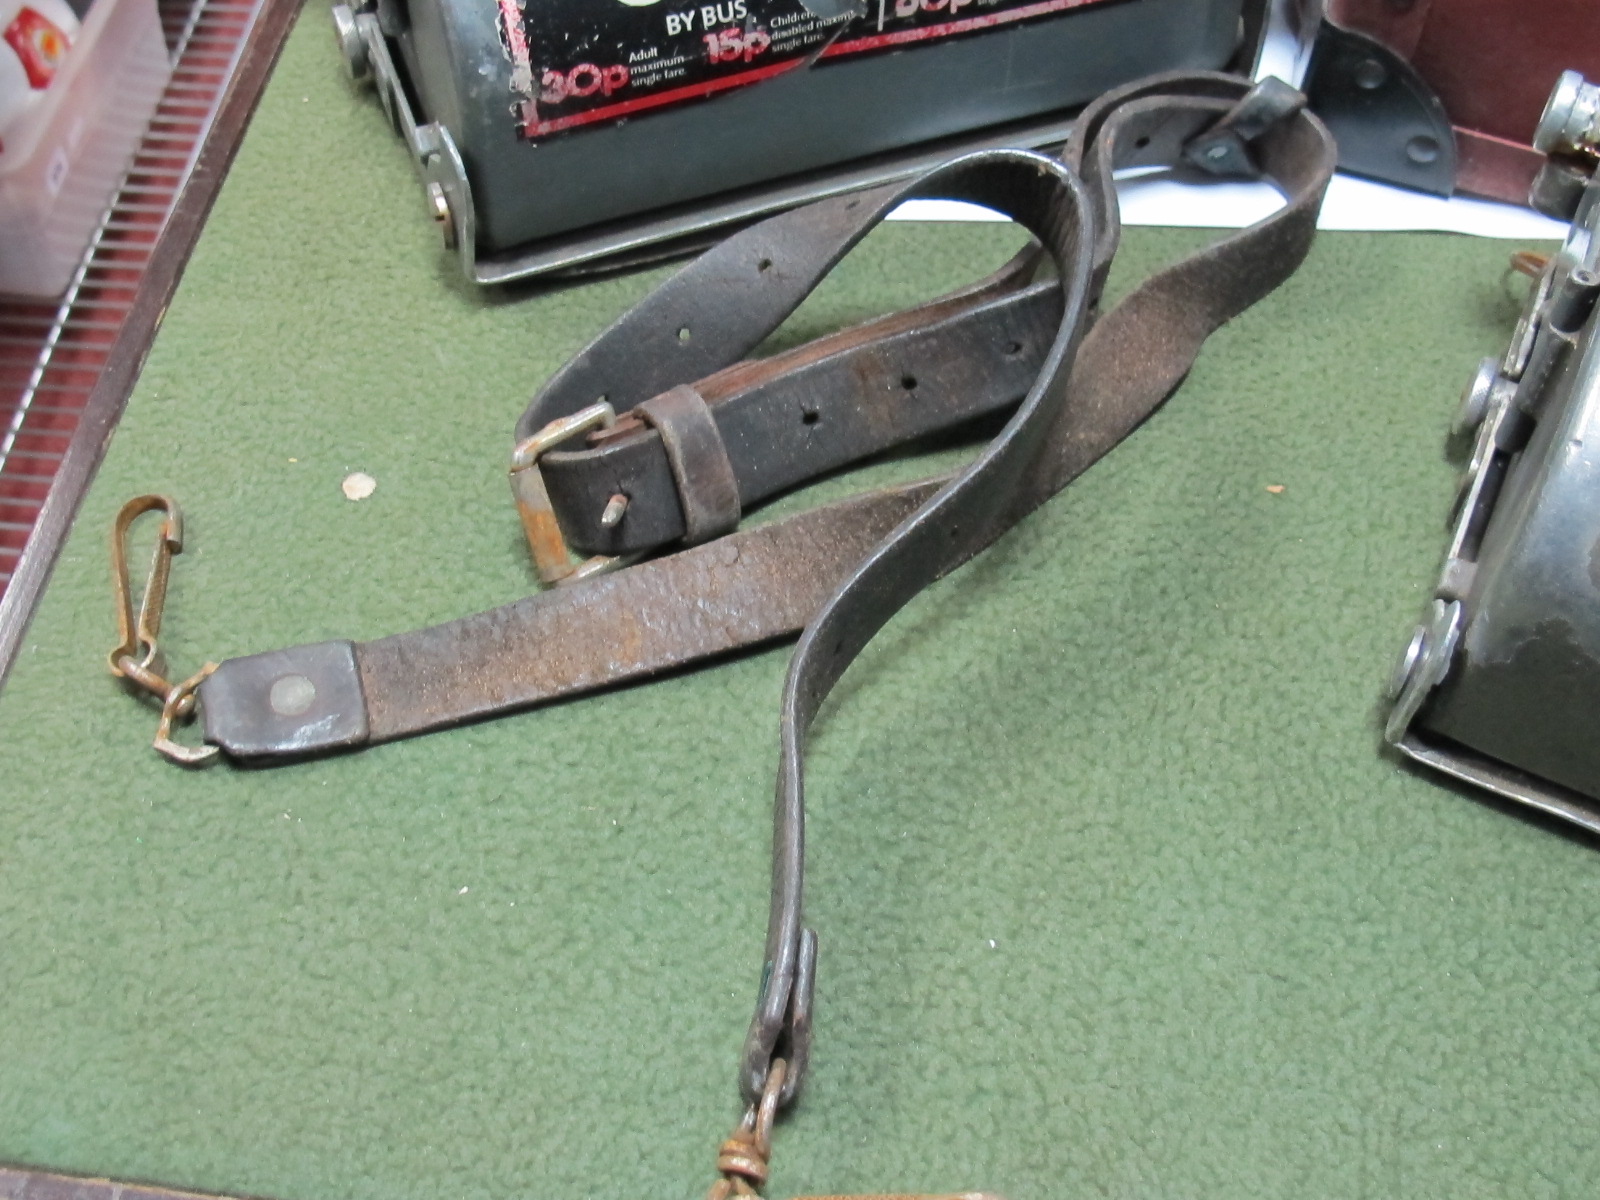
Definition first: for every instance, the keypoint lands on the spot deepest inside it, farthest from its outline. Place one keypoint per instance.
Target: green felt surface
(1117, 896)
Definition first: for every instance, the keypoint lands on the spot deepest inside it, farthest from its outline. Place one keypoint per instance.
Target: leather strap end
(286, 703)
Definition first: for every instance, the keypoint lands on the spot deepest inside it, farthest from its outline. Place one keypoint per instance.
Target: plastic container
(78, 84)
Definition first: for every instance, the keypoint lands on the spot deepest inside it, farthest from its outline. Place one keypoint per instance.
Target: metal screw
(1475, 398)
(1571, 120)
(439, 209)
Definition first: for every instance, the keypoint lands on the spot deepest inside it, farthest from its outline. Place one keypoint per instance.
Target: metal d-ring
(179, 704)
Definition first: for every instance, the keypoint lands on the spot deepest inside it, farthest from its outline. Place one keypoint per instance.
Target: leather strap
(798, 415)
(843, 398)
(714, 433)
(971, 352)
(1085, 400)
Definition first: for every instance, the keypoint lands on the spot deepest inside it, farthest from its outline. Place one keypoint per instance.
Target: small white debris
(463, 891)
(358, 485)
(991, 944)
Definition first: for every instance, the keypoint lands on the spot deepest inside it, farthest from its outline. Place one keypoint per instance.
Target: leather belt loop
(707, 488)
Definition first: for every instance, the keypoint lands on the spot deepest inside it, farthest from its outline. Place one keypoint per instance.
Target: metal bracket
(433, 151)
(1488, 414)
(1387, 121)
(1459, 762)
(1502, 408)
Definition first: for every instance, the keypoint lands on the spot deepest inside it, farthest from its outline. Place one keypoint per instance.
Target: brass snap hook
(137, 655)
(178, 705)
(742, 1158)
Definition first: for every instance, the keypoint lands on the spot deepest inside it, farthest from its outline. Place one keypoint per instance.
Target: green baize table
(1117, 895)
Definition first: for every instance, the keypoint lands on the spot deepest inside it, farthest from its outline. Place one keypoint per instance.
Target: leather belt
(711, 434)
(742, 431)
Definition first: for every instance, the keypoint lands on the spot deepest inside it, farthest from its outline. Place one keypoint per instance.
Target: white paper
(1359, 204)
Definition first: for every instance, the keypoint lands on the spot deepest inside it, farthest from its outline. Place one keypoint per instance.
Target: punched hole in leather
(801, 414)
(843, 398)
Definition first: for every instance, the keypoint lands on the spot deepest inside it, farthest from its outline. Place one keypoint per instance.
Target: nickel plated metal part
(1507, 591)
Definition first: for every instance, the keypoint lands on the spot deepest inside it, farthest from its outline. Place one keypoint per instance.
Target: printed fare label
(580, 62)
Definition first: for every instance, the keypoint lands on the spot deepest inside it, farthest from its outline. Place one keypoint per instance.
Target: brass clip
(742, 1158)
(178, 705)
(137, 656)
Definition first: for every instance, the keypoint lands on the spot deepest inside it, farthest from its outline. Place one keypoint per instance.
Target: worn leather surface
(693, 331)
(1235, 951)
(922, 372)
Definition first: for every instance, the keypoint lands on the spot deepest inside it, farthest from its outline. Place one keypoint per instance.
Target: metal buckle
(551, 554)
